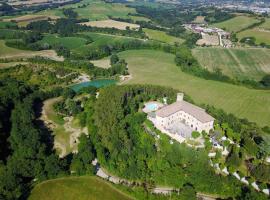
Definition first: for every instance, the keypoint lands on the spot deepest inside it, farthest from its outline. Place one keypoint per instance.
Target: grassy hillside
(162, 36)
(68, 42)
(261, 35)
(79, 188)
(237, 23)
(100, 39)
(248, 63)
(99, 10)
(5, 50)
(155, 67)
(266, 24)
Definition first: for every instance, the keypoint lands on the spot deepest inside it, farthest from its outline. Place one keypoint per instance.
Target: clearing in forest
(102, 63)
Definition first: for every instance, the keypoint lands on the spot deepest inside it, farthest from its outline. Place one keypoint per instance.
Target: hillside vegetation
(155, 67)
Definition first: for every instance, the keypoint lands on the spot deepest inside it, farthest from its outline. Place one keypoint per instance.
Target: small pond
(96, 83)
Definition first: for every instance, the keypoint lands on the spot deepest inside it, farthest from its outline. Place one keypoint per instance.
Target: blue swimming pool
(96, 83)
(151, 107)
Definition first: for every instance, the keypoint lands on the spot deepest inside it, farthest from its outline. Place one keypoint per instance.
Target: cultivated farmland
(111, 24)
(155, 67)
(241, 63)
(79, 188)
(162, 36)
(237, 23)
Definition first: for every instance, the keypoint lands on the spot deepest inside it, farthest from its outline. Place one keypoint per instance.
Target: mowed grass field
(155, 67)
(246, 63)
(162, 36)
(237, 23)
(77, 188)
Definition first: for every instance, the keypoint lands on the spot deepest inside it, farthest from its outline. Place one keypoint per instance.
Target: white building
(182, 112)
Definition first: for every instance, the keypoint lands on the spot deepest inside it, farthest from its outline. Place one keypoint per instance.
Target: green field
(155, 67)
(77, 188)
(266, 24)
(100, 10)
(68, 42)
(162, 36)
(241, 63)
(237, 23)
(262, 36)
(5, 50)
(93, 10)
(6, 24)
(100, 39)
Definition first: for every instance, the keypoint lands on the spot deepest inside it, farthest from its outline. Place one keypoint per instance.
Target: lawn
(68, 42)
(79, 188)
(237, 23)
(162, 36)
(261, 35)
(155, 67)
(241, 63)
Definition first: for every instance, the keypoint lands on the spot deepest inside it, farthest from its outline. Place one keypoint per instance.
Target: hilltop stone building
(181, 118)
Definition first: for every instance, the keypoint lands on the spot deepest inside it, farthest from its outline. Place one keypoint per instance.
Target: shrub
(195, 134)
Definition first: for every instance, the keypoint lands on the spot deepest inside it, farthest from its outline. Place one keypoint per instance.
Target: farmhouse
(181, 119)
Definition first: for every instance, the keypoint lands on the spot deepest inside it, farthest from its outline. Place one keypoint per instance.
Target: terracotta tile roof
(189, 108)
